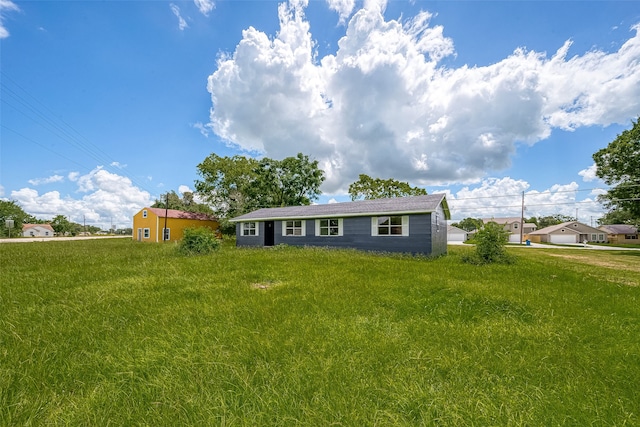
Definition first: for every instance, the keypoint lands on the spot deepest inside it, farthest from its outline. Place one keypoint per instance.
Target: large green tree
(236, 185)
(224, 183)
(11, 210)
(376, 188)
(549, 220)
(62, 226)
(469, 224)
(185, 203)
(292, 181)
(619, 166)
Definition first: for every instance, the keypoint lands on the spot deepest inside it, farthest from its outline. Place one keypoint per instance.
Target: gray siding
(250, 240)
(357, 235)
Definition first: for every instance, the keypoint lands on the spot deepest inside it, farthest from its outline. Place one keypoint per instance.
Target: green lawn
(116, 332)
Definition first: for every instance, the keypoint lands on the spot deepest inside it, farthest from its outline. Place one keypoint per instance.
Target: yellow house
(149, 224)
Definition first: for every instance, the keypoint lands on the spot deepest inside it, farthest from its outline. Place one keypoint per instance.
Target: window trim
(244, 226)
(168, 237)
(146, 233)
(404, 225)
(340, 227)
(303, 228)
(144, 213)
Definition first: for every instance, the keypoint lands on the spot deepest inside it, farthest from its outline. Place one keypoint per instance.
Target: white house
(512, 225)
(37, 230)
(455, 234)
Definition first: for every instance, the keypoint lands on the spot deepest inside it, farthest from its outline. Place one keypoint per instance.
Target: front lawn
(116, 332)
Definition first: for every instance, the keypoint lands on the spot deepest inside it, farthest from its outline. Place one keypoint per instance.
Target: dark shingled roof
(393, 206)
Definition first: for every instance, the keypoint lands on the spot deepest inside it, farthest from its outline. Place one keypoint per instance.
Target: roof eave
(333, 215)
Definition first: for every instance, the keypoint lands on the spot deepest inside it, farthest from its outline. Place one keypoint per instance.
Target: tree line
(232, 186)
(11, 210)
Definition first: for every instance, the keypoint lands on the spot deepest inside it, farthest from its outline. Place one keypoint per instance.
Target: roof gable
(391, 206)
(574, 226)
(43, 226)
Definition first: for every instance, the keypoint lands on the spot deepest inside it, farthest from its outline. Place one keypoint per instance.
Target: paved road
(58, 239)
(566, 246)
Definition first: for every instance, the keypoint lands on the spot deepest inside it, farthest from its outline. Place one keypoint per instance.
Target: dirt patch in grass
(266, 285)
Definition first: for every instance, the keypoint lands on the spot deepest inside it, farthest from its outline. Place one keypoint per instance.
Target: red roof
(173, 213)
(28, 226)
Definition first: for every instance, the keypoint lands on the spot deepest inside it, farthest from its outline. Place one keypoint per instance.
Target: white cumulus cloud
(48, 180)
(503, 197)
(385, 105)
(589, 174)
(107, 197)
(6, 6)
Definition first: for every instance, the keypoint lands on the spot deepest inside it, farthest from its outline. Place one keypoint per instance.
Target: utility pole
(522, 219)
(166, 214)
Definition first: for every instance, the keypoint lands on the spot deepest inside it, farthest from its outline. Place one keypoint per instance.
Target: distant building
(512, 225)
(37, 230)
(455, 234)
(620, 233)
(149, 224)
(568, 232)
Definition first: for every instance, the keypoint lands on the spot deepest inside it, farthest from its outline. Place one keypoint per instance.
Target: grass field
(116, 332)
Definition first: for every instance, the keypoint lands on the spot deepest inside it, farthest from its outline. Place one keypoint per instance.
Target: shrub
(198, 241)
(490, 245)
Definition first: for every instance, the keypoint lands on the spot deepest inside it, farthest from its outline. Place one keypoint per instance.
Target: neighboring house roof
(173, 213)
(25, 227)
(619, 229)
(392, 206)
(454, 229)
(579, 228)
(502, 220)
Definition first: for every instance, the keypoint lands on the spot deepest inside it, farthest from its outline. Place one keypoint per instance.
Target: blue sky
(107, 105)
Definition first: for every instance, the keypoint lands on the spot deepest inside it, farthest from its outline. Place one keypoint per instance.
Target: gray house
(414, 225)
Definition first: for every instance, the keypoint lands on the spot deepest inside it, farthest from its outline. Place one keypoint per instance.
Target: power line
(25, 104)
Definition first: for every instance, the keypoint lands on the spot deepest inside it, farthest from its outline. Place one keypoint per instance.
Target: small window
(166, 234)
(390, 226)
(144, 213)
(146, 233)
(594, 237)
(329, 227)
(248, 229)
(601, 237)
(293, 228)
(515, 225)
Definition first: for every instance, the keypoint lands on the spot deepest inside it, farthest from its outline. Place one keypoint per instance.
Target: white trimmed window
(294, 227)
(329, 227)
(249, 229)
(390, 226)
(166, 234)
(146, 233)
(144, 213)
